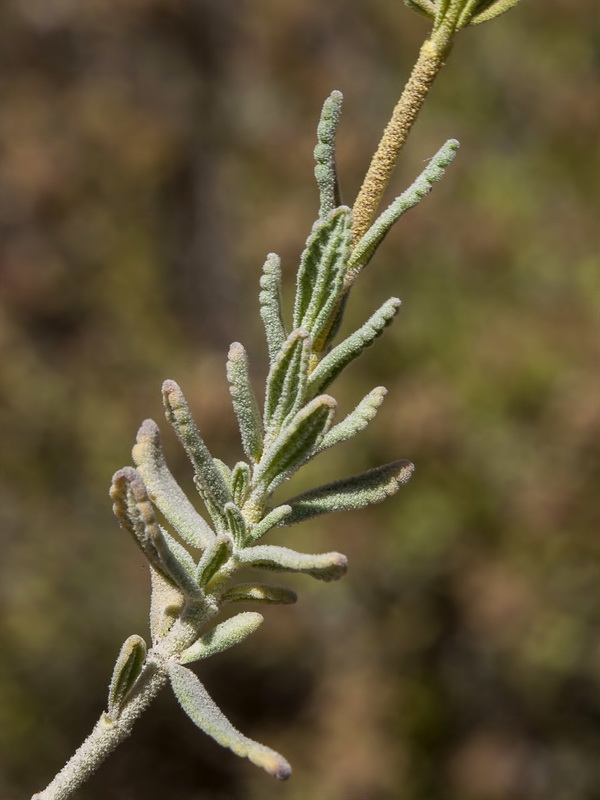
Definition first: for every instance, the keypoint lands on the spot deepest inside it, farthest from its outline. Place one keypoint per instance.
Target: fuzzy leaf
(368, 244)
(489, 10)
(204, 712)
(133, 509)
(325, 169)
(269, 521)
(324, 567)
(240, 481)
(287, 378)
(259, 593)
(425, 7)
(164, 491)
(236, 523)
(356, 421)
(213, 559)
(223, 636)
(179, 551)
(244, 401)
(296, 443)
(270, 305)
(345, 352)
(224, 470)
(127, 670)
(347, 494)
(208, 478)
(321, 272)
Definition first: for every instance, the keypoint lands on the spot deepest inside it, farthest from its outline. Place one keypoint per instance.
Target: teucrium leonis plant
(194, 559)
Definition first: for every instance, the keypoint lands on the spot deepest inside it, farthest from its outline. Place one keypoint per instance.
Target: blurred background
(152, 152)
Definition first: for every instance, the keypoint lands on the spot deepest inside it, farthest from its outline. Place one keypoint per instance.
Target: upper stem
(429, 63)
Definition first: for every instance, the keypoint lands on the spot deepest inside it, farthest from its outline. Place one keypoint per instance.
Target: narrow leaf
(213, 559)
(127, 670)
(224, 470)
(270, 305)
(348, 494)
(133, 509)
(325, 169)
(368, 244)
(332, 269)
(208, 478)
(259, 593)
(296, 443)
(236, 523)
(321, 265)
(324, 567)
(244, 401)
(240, 481)
(269, 521)
(163, 489)
(493, 10)
(287, 378)
(223, 636)
(204, 712)
(356, 421)
(425, 7)
(345, 352)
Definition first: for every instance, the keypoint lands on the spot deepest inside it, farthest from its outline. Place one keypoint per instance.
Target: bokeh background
(152, 152)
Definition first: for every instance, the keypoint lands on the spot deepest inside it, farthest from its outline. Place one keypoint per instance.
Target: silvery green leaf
(348, 494)
(368, 244)
(135, 513)
(333, 327)
(208, 478)
(224, 470)
(133, 509)
(163, 489)
(489, 10)
(259, 593)
(356, 421)
(345, 352)
(325, 169)
(236, 523)
(240, 481)
(321, 272)
(330, 279)
(425, 7)
(127, 669)
(244, 401)
(269, 521)
(213, 559)
(296, 443)
(166, 605)
(287, 378)
(270, 305)
(204, 712)
(179, 551)
(324, 566)
(222, 637)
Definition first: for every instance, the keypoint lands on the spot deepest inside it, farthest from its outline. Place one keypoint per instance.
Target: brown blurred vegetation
(152, 152)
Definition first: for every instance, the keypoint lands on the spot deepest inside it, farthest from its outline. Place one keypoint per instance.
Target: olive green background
(152, 152)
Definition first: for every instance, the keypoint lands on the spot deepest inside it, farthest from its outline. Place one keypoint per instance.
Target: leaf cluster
(194, 559)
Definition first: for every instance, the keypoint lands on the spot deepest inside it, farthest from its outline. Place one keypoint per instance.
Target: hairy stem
(105, 737)
(109, 733)
(428, 65)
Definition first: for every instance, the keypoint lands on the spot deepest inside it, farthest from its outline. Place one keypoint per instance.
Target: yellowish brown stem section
(430, 61)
